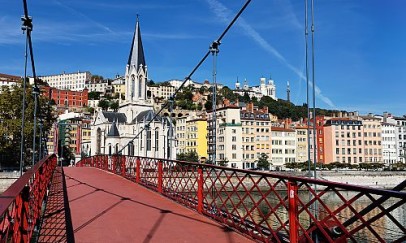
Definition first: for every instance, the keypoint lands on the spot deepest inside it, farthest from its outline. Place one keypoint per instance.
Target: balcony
(230, 124)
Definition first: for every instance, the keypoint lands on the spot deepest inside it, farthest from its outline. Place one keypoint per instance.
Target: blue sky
(360, 50)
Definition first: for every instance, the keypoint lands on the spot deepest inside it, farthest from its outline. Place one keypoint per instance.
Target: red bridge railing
(267, 206)
(21, 203)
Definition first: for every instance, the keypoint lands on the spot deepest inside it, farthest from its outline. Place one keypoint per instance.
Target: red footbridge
(137, 199)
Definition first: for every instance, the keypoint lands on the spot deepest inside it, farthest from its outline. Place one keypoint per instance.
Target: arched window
(109, 149)
(116, 151)
(131, 148)
(140, 87)
(132, 85)
(148, 140)
(156, 139)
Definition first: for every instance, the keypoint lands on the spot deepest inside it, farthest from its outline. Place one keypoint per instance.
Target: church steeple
(136, 71)
(136, 57)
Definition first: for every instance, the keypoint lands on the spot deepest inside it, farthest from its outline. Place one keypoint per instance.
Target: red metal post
(200, 190)
(122, 162)
(160, 176)
(293, 217)
(113, 164)
(138, 171)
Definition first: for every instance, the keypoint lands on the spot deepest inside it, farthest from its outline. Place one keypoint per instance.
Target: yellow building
(118, 87)
(196, 137)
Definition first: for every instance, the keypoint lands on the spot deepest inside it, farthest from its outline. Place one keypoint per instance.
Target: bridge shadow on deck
(56, 225)
(157, 223)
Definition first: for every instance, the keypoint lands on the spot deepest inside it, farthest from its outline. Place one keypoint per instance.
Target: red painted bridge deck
(107, 208)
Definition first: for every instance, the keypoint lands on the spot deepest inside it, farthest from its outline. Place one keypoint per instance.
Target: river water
(270, 212)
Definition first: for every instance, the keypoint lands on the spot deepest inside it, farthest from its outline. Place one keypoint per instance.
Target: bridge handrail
(252, 201)
(21, 203)
(378, 191)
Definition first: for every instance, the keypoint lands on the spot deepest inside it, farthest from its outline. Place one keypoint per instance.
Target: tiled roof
(115, 116)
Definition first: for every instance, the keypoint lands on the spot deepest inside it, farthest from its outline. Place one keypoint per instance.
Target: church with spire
(127, 131)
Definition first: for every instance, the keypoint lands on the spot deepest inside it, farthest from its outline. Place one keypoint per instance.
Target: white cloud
(224, 14)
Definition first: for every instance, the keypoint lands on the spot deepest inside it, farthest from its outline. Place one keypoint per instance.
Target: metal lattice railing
(268, 206)
(21, 203)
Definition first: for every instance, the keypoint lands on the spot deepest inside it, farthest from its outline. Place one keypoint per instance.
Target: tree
(114, 105)
(10, 123)
(97, 78)
(263, 162)
(104, 104)
(190, 156)
(227, 93)
(90, 109)
(93, 95)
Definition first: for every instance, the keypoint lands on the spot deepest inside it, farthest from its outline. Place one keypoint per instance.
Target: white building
(389, 151)
(126, 131)
(161, 91)
(9, 80)
(283, 147)
(401, 138)
(68, 81)
(98, 86)
(229, 136)
(264, 89)
(177, 83)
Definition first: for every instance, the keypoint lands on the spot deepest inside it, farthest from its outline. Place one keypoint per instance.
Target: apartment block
(181, 137)
(196, 137)
(372, 139)
(301, 144)
(68, 81)
(344, 140)
(283, 146)
(256, 134)
(66, 99)
(225, 136)
(9, 80)
(389, 144)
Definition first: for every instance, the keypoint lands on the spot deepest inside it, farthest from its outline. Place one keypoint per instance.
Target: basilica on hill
(127, 131)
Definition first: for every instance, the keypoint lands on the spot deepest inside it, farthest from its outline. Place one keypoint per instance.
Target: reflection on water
(270, 210)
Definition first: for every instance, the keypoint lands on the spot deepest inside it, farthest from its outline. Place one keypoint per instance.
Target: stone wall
(8, 178)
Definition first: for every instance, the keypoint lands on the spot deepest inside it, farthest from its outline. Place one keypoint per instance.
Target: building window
(156, 139)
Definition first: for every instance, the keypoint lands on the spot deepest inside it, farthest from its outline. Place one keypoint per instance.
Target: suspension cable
(28, 27)
(314, 96)
(214, 51)
(23, 106)
(307, 89)
(189, 76)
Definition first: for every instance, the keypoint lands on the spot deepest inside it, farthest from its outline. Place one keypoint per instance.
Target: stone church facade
(134, 129)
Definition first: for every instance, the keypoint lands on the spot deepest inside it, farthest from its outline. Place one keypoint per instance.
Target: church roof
(147, 116)
(113, 132)
(115, 116)
(137, 51)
